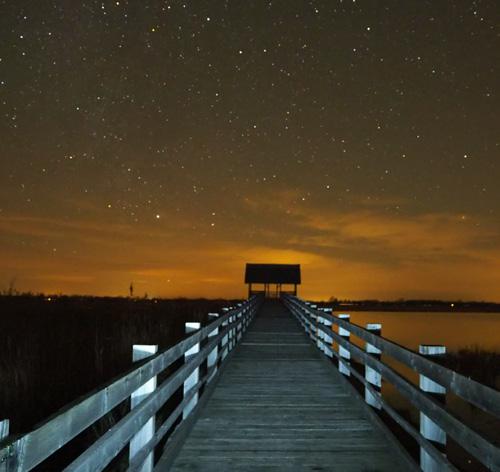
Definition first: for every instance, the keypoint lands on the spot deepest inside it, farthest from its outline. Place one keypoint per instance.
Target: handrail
(474, 443)
(23, 453)
(482, 396)
(113, 441)
(137, 462)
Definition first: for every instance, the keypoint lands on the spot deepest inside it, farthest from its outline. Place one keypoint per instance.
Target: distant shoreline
(431, 306)
(415, 306)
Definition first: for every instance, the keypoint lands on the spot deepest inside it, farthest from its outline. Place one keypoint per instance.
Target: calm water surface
(454, 330)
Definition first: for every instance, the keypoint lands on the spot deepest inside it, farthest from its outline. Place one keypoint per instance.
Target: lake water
(454, 330)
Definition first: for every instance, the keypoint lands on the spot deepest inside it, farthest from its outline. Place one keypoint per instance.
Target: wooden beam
(480, 395)
(194, 377)
(470, 440)
(97, 456)
(371, 375)
(139, 353)
(4, 429)
(31, 449)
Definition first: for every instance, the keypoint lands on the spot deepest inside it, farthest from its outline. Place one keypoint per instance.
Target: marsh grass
(476, 363)
(52, 352)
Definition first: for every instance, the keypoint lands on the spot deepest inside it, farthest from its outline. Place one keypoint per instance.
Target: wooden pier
(265, 387)
(279, 405)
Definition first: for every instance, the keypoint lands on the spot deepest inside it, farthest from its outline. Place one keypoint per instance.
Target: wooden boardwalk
(278, 405)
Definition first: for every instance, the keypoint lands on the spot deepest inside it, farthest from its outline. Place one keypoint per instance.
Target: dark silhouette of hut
(272, 274)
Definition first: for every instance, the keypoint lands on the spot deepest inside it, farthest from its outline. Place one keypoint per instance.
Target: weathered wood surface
(279, 406)
(473, 442)
(482, 396)
(25, 452)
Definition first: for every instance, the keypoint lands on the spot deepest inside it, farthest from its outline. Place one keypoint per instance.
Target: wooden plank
(278, 407)
(97, 456)
(31, 449)
(408, 427)
(171, 449)
(474, 392)
(473, 442)
(470, 440)
(136, 463)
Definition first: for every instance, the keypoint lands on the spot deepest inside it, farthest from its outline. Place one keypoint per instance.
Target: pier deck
(278, 405)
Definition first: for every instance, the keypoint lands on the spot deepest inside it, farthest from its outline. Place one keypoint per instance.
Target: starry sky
(169, 142)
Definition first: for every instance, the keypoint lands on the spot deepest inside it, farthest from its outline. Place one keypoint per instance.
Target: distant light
(452, 305)
(157, 217)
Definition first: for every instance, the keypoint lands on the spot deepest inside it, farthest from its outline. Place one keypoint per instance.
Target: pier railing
(436, 421)
(206, 347)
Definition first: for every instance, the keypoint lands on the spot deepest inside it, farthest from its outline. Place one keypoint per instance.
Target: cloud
(365, 252)
(402, 237)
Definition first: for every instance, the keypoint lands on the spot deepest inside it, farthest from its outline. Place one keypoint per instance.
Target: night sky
(167, 143)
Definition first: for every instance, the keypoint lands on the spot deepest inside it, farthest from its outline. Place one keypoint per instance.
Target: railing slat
(428, 428)
(97, 456)
(408, 427)
(135, 464)
(470, 440)
(372, 376)
(194, 377)
(140, 352)
(474, 392)
(31, 449)
(4, 429)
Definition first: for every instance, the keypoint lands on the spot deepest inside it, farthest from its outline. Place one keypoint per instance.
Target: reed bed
(55, 349)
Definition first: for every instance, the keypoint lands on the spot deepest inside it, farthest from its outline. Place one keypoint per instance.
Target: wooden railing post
(244, 320)
(212, 357)
(246, 317)
(193, 378)
(239, 326)
(234, 331)
(4, 432)
(313, 332)
(430, 430)
(231, 332)
(4, 429)
(140, 352)
(371, 375)
(344, 354)
(319, 333)
(328, 340)
(224, 344)
(303, 317)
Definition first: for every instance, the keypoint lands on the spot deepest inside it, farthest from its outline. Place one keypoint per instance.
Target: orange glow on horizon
(363, 254)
